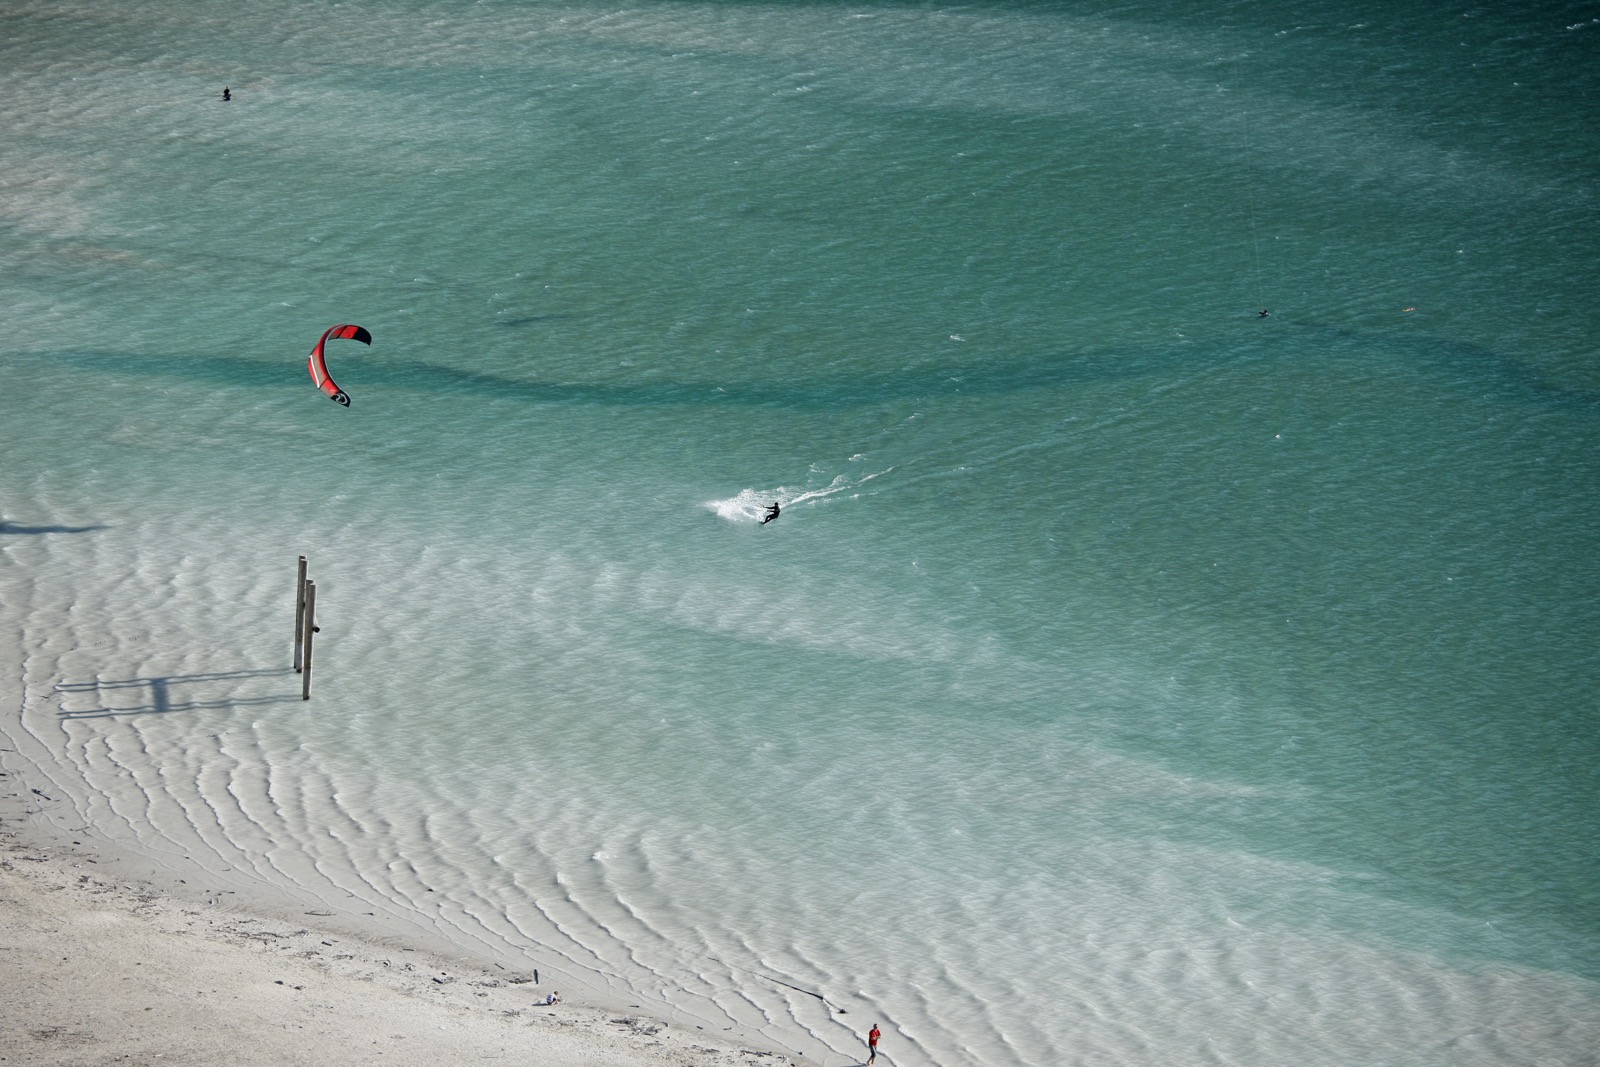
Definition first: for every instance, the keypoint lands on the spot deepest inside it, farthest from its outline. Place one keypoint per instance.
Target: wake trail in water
(751, 504)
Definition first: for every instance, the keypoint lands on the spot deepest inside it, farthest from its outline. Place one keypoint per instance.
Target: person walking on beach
(872, 1043)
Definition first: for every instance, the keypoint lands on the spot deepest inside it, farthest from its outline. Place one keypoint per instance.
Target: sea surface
(1130, 678)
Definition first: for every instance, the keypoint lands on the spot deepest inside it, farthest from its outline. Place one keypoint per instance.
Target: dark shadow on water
(532, 320)
(13, 528)
(160, 690)
(1316, 345)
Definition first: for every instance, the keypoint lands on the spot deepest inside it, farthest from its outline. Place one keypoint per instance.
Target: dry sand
(96, 968)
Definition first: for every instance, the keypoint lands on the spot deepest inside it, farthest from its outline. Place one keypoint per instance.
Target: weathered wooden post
(299, 610)
(310, 632)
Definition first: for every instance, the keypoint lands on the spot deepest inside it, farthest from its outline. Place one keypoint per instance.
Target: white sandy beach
(99, 968)
(143, 849)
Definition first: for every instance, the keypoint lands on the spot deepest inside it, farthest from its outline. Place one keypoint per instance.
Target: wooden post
(310, 632)
(299, 611)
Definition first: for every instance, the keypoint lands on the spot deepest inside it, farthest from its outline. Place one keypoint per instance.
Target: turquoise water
(1129, 678)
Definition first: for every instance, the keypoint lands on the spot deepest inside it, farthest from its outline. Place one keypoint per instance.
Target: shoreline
(103, 787)
(102, 966)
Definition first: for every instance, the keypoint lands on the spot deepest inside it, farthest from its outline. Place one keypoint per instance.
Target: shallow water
(1129, 678)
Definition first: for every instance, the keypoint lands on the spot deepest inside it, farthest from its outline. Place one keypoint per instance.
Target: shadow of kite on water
(160, 690)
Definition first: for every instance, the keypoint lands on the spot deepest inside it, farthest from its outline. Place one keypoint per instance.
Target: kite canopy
(319, 365)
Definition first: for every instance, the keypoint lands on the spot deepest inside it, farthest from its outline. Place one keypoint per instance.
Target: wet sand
(99, 968)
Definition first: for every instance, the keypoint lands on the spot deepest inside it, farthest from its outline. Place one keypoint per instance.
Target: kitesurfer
(226, 95)
(1265, 313)
(772, 512)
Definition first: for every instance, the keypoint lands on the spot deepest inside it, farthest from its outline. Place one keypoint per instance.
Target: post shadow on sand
(160, 690)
